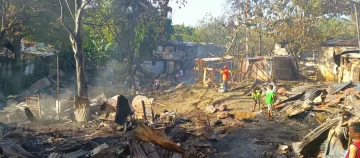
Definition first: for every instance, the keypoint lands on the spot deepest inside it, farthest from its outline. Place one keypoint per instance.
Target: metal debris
(311, 94)
(337, 87)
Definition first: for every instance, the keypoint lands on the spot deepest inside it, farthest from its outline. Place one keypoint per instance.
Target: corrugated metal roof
(292, 98)
(305, 88)
(335, 88)
(217, 58)
(311, 94)
(351, 55)
(341, 42)
(357, 88)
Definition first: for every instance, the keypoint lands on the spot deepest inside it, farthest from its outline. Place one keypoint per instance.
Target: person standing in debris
(270, 95)
(225, 76)
(354, 133)
(178, 75)
(157, 85)
(256, 95)
(181, 73)
(273, 83)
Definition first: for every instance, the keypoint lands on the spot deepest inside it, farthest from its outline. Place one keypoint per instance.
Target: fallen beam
(298, 146)
(148, 134)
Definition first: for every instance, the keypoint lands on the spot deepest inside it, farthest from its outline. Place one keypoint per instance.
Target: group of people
(171, 77)
(353, 150)
(271, 95)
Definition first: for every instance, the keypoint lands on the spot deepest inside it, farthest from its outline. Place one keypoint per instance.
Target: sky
(195, 10)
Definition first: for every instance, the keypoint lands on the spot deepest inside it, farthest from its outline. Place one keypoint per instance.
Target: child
(354, 148)
(273, 83)
(157, 85)
(270, 95)
(256, 95)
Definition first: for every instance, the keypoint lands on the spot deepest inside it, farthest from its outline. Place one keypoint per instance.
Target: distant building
(171, 56)
(35, 59)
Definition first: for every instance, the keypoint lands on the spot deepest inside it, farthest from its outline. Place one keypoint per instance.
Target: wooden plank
(135, 149)
(298, 146)
(144, 110)
(263, 71)
(39, 106)
(150, 150)
(148, 134)
(355, 74)
(248, 71)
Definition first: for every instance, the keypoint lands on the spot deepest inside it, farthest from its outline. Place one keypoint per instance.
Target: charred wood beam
(148, 134)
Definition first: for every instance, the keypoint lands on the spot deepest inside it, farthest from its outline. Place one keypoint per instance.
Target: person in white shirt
(181, 72)
(274, 85)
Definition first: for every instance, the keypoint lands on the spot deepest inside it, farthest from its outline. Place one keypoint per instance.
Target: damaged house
(264, 68)
(172, 56)
(329, 58)
(35, 59)
(348, 66)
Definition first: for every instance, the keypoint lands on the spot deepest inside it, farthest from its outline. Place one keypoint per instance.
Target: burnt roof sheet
(341, 42)
(335, 88)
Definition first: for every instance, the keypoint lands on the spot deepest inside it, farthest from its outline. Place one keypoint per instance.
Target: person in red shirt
(225, 76)
(354, 134)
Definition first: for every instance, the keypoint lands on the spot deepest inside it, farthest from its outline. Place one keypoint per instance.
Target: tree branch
(72, 15)
(12, 24)
(80, 9)
(61, 19)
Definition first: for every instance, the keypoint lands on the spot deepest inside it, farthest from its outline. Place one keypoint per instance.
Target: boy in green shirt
(256, 95)
(270, 95)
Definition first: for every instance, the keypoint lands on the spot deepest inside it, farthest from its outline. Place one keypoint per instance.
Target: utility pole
(357, 25)
(260, 29)
(57, 85)
(246, 36)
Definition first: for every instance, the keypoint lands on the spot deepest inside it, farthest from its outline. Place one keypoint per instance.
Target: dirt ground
(257, 137)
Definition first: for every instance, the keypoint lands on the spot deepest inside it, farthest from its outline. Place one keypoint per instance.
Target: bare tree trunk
(81, 101)
(80, 67)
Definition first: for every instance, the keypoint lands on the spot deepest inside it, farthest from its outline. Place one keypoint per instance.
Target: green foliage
(184, 33)
(212, 30)
(120, 33)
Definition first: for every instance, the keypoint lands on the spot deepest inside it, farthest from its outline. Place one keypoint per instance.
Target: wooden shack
(265, 68)
(143, 107)
(349, 66)
(206, 68)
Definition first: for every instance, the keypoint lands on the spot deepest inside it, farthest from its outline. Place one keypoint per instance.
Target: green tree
(184, 33)
(299, 23)
(19, 19)
(135, 28)
(212, 30)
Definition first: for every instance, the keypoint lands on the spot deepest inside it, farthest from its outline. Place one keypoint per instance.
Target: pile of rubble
(338, 102)
(167, 135)
(223, 118)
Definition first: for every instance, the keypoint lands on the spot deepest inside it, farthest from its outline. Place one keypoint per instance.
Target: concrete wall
(158, 68)
(349, 70)
(325, 65)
